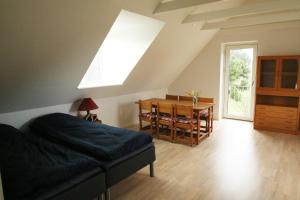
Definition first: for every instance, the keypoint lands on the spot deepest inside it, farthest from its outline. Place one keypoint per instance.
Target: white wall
(203, 74)
(117, 111)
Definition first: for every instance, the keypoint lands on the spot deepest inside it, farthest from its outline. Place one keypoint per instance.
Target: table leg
(198, 126)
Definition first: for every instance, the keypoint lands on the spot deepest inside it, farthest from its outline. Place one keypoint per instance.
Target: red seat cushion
(204, 113)
(165, 118)
(148, 115)
(186, 120)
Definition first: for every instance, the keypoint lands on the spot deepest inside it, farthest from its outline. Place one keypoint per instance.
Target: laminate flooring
(235, 163)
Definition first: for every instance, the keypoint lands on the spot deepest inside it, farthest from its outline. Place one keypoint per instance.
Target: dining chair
(188, 125)
(146, 114)
(171, 97)
(207, 115)
(165, 118)
(185, 98)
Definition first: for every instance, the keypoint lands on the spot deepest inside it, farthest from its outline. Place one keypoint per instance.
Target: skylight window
(125, 44)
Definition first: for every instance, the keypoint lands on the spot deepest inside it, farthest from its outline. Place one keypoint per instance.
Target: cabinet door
(289, 72)
(267, 72)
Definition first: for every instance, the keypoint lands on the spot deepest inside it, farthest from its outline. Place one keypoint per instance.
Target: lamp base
(87, 116)
(91, 117)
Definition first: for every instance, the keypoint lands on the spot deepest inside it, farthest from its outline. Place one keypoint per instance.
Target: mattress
(100, 141)
(33, 168)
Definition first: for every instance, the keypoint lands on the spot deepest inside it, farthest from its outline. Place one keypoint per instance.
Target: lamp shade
(87, 104)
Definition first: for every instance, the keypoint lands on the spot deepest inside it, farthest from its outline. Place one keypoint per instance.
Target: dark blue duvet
(32, 168)
(97, 140)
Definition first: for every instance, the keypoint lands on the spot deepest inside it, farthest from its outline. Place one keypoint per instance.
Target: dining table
(198, 107)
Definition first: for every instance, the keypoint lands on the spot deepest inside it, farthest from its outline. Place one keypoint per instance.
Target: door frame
(226, 79)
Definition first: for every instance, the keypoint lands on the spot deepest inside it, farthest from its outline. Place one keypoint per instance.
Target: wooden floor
(234, 163)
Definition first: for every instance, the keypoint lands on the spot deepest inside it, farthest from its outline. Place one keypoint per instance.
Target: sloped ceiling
(47, 46)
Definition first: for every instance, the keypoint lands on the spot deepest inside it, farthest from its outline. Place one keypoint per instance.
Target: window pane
(125, 44)
(267, 73)
(289, 73)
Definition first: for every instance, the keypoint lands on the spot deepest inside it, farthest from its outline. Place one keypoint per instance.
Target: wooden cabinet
(277, 94)
(278, 73)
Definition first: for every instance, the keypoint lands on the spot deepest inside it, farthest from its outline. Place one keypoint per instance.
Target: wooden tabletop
(199, 106)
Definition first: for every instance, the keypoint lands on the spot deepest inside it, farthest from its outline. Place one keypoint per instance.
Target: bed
(120, 152)
(34, 168)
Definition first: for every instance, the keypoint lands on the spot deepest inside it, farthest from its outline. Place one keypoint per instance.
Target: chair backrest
(185, 98)
(206, 100)
(165, 108)
(182, 110)
(171, 97)
(145, 106)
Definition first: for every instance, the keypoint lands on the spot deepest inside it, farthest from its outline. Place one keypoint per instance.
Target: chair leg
(175, 133)
(154, 125)
(141, 127)
(212, 118)
(157, 130)
(211, 124)
(191, 137)
(151, 127)
(171, 133)
(198, 131)
(207, 124)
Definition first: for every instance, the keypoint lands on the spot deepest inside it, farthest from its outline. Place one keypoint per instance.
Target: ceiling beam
(248, 9)
(179, 4)
(254, 20)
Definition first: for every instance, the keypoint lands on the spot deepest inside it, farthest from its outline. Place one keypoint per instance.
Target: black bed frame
(88, 189)
(98, 183)
(128, 167)
(92, 187)
(101, 183)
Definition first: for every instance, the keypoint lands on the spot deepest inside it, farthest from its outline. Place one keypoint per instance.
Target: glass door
(239, 81)
(267, 73)
(289, 73)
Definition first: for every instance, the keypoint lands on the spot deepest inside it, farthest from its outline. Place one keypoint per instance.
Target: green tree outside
(239, 76)
(239, 81)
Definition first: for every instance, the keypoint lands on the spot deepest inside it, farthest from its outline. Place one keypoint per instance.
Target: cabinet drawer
(283, 115)
(275, 108)
(276, 111)
(276, 120)
(274, 127)
(277, 128)
(276, 123)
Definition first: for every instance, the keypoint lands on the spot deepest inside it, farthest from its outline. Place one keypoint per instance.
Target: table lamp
(87, 104)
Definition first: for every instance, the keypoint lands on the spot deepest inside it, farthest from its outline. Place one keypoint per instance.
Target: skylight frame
(127, 41)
